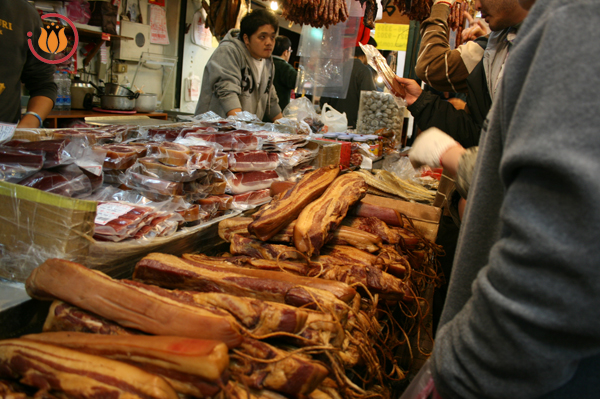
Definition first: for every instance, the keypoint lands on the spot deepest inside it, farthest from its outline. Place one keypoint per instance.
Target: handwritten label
(110, 211)
(391, 36)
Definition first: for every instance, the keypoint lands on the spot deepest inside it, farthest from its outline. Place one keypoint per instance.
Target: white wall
(194, 59)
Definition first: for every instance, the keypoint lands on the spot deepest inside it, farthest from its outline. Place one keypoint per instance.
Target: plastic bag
(377, 62)
(300, 109)
(422, 386)
(333, 119)
(192, 87)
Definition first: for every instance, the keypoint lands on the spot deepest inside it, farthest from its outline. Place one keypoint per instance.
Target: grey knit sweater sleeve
(522, 315)
(466, 166)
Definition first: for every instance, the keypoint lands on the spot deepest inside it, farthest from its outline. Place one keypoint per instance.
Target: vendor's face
(501, 14)
(261, 43)
(526, 4)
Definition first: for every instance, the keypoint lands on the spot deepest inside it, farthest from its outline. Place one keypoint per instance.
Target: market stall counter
(52, 119)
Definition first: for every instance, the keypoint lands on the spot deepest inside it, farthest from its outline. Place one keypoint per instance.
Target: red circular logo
(53, 40)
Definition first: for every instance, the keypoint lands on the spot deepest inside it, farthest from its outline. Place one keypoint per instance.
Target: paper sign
(158, 25)
(110, 211)
(391, 36)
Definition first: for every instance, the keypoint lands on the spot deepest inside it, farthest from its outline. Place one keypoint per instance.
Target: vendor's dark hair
(282, 43)
(254, 20)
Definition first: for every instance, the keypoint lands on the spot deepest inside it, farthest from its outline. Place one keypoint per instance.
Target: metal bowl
(114, 89)
(146, 102)
(119, 103)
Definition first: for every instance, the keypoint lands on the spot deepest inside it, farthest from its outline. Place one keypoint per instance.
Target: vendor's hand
(475, 31)
(412, 89)
(449, 2)
(476, 28)
(429, 148)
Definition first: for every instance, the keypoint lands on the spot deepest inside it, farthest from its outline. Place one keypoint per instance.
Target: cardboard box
(37, 225)
(336, 150)
(426, 218)
(329, 152)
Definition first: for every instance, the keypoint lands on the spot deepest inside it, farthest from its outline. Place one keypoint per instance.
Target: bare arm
(40, 105)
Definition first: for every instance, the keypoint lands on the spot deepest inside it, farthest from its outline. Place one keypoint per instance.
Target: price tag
(110, 211)
(7, 131)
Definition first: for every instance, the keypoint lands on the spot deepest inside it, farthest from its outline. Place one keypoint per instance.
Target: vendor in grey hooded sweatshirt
(239, 75)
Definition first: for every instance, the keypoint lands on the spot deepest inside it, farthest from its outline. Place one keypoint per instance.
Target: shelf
(98, 37)
(92, 34)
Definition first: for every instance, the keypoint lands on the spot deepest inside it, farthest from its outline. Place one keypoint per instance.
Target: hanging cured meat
(416, 10)
(316, 13)
(221, 16)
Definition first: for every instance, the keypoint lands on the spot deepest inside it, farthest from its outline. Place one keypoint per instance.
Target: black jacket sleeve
(38, 76)
(286, 76)
(431, 111)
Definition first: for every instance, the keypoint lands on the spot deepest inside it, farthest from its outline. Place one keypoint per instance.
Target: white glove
(449, 2)
(429, 146)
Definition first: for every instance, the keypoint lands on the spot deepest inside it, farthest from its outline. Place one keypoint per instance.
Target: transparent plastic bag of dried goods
(377, 62)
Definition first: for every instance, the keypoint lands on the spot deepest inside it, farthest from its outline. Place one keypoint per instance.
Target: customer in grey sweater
(522, 316)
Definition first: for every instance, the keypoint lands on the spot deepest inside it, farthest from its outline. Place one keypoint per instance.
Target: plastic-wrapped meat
(218, 183)
(54, 150)
(114, 177)
(160, 226)
(174, 154)
(296, 157)
(251, 199)
(250, 161)
(120, 156)
(180, 174)
(116, 221)
(197, 189)
(240, 183)
(196, 129)
(69, 181)
(15, 164)
(238, 140)
(164, 133)
(93, 136)
(272, 141)
(215, 203)
(139, 181)
(193, 215)
(208, 136)
(220, 161)
(202, 156)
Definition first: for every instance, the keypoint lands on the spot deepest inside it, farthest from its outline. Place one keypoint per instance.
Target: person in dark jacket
(17, 18)
(285, 74)
(476, 67)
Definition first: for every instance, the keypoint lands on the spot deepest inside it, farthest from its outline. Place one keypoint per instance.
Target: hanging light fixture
(274, 6)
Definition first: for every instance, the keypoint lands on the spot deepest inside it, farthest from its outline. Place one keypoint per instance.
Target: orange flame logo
(53, 39)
